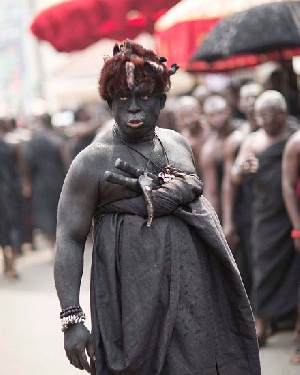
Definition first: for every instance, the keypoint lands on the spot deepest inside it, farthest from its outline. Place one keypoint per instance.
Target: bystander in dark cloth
(11, 202)
(275, 263)
(43, 155)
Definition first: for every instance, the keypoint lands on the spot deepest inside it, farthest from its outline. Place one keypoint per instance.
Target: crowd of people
(247, 154)
(34, 160)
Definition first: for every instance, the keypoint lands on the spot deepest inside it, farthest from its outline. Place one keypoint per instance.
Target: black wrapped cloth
(276, 264)
(168, 299)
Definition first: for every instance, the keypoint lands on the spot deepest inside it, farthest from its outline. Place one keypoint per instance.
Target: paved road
(30, 337)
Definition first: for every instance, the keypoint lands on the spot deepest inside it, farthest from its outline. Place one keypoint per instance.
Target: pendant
(146, 184)
(167, 175)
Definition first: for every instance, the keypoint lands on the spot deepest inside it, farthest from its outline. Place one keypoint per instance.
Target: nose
(133, 107)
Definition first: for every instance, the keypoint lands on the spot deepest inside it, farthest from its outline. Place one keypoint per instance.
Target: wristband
(295, 233)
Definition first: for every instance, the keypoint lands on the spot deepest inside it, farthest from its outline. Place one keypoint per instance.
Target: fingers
(130, 183)
(84, 362)
(128, 168)
(90, 349)
(79, 360)
(250, 164)
(74, 360)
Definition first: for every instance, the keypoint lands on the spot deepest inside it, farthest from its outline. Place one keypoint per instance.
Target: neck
(224, 131)
(138, 137)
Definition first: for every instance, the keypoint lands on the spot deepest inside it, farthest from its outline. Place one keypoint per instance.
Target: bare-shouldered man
(236, 199)
(218, 116)
(187, 115)
(275, 264)
(290, 185)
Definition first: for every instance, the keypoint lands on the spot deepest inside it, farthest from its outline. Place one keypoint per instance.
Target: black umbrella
(265, 28)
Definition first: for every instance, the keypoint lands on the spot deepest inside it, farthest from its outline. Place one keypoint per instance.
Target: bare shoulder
(171, 136)
(253, 139)
(234, 140)
(293, 144)
(91, 163)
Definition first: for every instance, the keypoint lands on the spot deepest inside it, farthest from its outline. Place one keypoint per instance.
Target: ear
(163, 99)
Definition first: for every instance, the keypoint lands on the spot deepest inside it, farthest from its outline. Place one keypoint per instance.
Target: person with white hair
(276, 265)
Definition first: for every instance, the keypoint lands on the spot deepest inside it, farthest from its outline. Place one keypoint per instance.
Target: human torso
(169, 147)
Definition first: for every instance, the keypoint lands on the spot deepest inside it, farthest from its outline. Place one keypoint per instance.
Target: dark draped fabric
(43, 155)
(242, 213)
(276, 265)
(11, 199)
(168, 299)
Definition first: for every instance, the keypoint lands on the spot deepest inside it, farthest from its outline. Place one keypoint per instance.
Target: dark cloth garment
(242, 216)
(11, 199)
(168, 299)
(43, 155)
(220, 174)
(276, 265)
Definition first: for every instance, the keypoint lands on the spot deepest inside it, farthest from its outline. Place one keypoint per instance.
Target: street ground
(31, 342)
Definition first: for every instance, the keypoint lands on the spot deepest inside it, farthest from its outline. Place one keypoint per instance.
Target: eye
(144, 97)
(123, 98)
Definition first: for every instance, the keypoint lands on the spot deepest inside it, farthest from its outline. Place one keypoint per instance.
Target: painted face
(136, 113)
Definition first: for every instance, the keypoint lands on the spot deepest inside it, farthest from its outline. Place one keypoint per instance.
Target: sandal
(262, 340)
(295, 360)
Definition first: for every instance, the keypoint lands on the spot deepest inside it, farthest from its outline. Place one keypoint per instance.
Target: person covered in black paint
(166, 295)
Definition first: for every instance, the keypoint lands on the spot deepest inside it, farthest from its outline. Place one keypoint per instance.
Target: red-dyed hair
(132, 64)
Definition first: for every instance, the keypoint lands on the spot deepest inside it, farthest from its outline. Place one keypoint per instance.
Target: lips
(134, 123)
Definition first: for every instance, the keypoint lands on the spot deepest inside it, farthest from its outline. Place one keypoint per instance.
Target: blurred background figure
(217, 113)
(87, 123)
(81, 134)
(186, 112)
(11, 204)
(291, 194)
(45, 166)
(236, 194)
(276, 266)
(231, 93)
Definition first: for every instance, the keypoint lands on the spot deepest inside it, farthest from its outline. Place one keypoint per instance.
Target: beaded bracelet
(68, 321)
(70, 311)
(295, 233)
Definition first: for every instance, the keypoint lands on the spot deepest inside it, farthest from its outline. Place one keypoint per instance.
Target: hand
(249, 165)
(77, 341)
(230, 234)
(131, 183)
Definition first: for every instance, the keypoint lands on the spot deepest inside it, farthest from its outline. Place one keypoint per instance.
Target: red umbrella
(181, 30)
(74, 25)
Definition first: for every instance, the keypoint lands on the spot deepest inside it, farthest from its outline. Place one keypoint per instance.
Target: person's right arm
(290, 167)
(78, 201)
(209, 176)
(246, 162)
(229, 190)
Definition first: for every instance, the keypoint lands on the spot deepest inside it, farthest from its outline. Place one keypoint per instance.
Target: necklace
(147, 158)
(165, 174)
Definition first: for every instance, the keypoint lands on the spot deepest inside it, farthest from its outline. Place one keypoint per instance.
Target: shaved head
(214, 103)
(271, 98)
(185, 101)
(251, 89)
